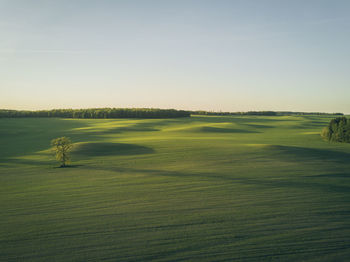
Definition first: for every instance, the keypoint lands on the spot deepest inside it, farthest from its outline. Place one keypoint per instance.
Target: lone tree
(62, 146)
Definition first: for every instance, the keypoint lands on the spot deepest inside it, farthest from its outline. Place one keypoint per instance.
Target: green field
(239, 188)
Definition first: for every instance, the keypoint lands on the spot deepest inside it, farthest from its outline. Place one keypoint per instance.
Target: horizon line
(162, 108)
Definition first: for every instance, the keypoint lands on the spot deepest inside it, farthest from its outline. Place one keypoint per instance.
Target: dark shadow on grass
(134, 128)
(308, 126)
(25, 136)
(68, 166)
(259, 126)
(331, 175)
(210, 129)
(11, 162)
(292, 183)
(152, 126)
(293, 153)
(245, 118)
(270, 183)
(110, 149)
(85, 150)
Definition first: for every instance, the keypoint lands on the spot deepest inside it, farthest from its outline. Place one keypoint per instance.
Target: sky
(217, 55)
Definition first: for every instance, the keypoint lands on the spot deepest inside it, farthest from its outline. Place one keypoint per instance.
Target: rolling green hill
(205, 188)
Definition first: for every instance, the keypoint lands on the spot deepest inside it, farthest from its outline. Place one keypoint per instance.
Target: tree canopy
(338, 130)
(62, 147)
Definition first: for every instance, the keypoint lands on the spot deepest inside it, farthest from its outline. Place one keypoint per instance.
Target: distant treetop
(99, 113)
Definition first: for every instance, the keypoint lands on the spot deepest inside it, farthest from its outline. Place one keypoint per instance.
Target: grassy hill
(205, 188)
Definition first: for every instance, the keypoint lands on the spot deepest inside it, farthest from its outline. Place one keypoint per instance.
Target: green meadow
(235, 188)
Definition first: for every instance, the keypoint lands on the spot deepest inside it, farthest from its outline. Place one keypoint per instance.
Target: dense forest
(98, 113)
(338, 130)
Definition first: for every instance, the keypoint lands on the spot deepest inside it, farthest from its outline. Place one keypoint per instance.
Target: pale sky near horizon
(206, 54)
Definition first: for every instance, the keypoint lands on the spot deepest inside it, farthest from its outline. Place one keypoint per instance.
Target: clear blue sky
(212, 55)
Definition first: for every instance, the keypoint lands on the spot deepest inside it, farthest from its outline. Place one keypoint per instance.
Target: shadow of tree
(109, 149)
(25, 136)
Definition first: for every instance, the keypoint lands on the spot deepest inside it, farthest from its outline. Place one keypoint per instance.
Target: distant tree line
(289, 113)
(338, 130)
(260, 113)
(213, 113)
(98, 113)
(140, 113)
